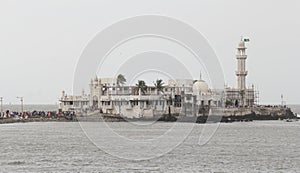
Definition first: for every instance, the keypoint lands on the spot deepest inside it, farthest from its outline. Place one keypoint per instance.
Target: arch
(236, 103)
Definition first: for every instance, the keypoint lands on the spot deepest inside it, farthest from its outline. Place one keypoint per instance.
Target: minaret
(241, 72)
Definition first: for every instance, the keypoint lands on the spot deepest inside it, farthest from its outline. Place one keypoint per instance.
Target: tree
(141, 85)
(121, 80)
(159, 85)
(228, 103)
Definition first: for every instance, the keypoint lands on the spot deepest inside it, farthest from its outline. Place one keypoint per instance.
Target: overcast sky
(41, 41)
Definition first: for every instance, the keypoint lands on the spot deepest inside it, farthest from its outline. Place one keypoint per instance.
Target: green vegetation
(228, 103)
(141, 85)
(159, 85)
(121, 80)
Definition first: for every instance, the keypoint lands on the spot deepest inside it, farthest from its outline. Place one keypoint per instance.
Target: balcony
(241, 73)
(241, 56)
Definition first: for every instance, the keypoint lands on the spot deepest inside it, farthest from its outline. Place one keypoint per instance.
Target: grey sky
(41, 41)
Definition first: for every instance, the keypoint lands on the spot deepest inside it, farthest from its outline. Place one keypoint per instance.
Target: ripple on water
(16, 163)
(271, 146)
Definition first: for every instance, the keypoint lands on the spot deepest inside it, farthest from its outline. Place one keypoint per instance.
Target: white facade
(130, 102)
(180, 96)
(73, 103)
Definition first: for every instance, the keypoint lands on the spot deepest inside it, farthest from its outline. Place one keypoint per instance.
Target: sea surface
(260, 146)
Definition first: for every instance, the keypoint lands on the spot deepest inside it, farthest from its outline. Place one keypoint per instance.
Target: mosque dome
(200, 87)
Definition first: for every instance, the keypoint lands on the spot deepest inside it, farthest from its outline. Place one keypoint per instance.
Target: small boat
(290, 120)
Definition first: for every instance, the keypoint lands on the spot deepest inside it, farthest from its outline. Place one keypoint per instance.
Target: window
(177, 101)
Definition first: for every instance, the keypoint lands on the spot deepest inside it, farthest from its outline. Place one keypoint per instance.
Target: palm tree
(159, 85)
(121, 80)
(141, 85)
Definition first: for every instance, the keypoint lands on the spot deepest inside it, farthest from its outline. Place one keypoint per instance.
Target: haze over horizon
(41, 42)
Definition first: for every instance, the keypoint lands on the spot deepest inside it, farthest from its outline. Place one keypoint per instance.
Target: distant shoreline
(27, 120)
(164, 118)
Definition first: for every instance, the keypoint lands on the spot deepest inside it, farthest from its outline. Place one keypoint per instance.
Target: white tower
(241, 72)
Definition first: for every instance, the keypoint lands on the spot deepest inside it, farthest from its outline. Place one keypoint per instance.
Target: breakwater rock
(236, 114)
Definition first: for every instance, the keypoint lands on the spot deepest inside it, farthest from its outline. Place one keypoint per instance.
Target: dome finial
(200, 75)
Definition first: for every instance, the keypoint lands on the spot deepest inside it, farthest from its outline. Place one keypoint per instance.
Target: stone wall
(259, 111)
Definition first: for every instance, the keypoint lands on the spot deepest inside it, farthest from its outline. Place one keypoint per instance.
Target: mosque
(181, 96)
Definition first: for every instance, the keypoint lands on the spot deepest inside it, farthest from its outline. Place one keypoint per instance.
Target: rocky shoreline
(253, 116)
(200, 119)
(27, 120)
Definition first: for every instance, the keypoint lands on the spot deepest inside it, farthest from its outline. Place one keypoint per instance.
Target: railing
(241, 56)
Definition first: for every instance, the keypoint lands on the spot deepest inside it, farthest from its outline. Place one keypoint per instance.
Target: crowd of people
(36, 114)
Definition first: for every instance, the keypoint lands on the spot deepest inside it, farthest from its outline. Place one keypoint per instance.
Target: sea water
(259, 146)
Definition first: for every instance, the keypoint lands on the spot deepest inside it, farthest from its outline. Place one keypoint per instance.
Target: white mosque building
(181, 96)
